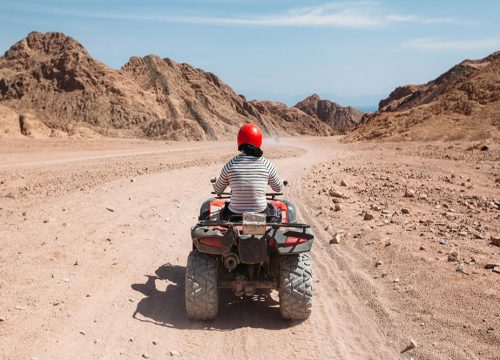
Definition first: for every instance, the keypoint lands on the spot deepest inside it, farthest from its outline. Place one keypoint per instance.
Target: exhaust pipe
(231, 260)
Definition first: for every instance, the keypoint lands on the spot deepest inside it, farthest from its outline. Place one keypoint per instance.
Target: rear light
(211, 241)
(294, 241)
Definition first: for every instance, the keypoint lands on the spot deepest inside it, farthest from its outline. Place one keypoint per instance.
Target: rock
(484, 148)
(490, 292)
(343, 183)
(2, 318)
(145, 356)
(337, 207)
(379, 263)
(46, 221)
(453, 256)
(496, 269)
(409, 193)
(405, 211)
(83, 332)
(174, 353)
(411, 346)
(335, 239)
(495, 240)
(396, 280)
(368, 216)
(490, 266)
(459, 268)
(335, 193)
(132, 180)
(75, 263)
(110, 209)
(20, 307)
(443, 242)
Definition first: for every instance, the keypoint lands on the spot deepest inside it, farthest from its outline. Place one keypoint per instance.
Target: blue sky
(353, 52)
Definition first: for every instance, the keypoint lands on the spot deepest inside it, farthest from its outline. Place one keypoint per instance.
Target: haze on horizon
(351, 52)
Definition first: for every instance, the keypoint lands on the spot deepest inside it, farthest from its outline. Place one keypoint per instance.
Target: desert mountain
(52, 78)
(463, 103)
(341, 119)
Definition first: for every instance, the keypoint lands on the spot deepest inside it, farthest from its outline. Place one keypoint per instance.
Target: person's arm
(223, 181)
(274, 180)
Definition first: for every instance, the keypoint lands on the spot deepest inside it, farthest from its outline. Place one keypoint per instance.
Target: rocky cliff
(52, 77)
(462, 103)
(341, 119)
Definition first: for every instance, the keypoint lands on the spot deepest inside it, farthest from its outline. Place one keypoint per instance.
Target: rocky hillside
(341, 119)
(52, 78)
(463, 103)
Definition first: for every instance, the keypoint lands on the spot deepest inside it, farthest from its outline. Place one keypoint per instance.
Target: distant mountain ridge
(52, 78)
(341, 119)
(462, 103)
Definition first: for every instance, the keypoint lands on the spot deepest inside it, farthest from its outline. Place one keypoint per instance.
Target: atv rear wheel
(295, 287)
(201, 292)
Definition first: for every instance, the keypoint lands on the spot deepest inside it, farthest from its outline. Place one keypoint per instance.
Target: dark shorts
(273, 214)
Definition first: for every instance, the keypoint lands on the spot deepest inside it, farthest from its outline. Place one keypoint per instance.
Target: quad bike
(247, 253)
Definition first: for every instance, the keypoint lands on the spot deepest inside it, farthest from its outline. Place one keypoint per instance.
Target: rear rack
(229, 224)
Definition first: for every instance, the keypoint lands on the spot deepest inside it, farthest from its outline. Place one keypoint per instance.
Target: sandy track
(92, 283)
(92, 264)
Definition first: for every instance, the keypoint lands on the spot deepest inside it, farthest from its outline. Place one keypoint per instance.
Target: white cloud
(492, 43)
(348, 14)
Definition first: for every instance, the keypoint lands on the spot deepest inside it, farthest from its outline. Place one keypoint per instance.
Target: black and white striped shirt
(248, 177)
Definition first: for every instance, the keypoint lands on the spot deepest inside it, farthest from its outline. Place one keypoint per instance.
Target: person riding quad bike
(248, 175)
(251, 242)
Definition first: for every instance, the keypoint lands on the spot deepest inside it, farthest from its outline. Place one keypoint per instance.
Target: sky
(351, 52)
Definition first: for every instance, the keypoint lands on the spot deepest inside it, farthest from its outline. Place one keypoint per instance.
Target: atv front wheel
(295, 287)
(201, 292)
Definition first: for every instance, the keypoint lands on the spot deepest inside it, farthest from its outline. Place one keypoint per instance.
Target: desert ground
(94, 237)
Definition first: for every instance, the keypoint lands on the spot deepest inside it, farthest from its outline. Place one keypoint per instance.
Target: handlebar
(226, 195)
(214, 180)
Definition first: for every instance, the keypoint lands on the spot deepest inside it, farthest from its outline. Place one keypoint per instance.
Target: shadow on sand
(166, 308)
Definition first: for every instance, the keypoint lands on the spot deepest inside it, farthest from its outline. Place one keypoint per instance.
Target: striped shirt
(248, 177)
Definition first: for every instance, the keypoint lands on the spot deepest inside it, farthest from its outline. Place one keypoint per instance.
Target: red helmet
(250, 134)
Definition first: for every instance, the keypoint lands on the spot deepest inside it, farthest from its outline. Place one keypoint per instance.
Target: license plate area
(254, 224)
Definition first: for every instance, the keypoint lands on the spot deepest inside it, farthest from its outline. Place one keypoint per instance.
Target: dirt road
(93, 247)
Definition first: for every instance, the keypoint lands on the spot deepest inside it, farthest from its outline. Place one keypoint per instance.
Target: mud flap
(252, 250)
